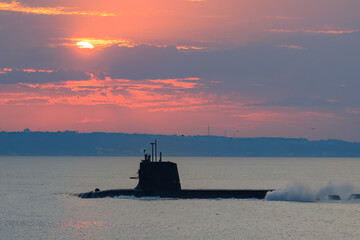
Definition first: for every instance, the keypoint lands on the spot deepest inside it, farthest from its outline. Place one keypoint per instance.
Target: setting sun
(84, 45)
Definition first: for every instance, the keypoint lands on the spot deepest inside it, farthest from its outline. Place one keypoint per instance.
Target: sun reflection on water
(78, 224)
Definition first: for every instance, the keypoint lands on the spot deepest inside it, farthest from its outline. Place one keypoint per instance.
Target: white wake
(301, 192)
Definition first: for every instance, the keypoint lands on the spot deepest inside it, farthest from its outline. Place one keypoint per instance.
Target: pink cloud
(159, 93)
(282, 17)
(352, 110)
(284, 115)
(91, 120)
(330, 100)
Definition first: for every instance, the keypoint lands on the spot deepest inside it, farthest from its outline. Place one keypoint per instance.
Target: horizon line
(27, 130)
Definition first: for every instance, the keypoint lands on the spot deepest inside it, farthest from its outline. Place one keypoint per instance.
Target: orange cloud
(18, 7)
(27, 70)
(331, 31)
(189, 48)
(103, 43)
(334, 32)
(97, 42)
(45, 71)
(294, 47)
(5, 70)
(178, 83)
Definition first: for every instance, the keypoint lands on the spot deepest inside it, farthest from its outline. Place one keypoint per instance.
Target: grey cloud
(19, 76)
(28, 101)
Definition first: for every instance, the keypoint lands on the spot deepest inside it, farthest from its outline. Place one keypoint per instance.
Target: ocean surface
(37, 201)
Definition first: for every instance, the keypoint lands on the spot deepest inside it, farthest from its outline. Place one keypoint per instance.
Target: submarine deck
(181, 194)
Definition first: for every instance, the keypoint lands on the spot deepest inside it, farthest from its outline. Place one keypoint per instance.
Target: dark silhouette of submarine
(158, 178)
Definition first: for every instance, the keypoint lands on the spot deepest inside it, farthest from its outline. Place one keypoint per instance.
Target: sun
(85, 45)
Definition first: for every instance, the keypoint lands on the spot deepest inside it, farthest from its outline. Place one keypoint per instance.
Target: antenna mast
(155, 150)
(152, 151)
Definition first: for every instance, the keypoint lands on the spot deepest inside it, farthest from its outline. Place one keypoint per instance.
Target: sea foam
(301, 192)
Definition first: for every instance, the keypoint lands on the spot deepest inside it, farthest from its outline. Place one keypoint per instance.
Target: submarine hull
(181, 194)
(161, 179)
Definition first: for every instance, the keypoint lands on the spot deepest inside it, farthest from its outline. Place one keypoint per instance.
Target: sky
(244, 68)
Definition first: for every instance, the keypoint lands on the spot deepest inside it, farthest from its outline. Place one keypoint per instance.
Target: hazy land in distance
(71, 143)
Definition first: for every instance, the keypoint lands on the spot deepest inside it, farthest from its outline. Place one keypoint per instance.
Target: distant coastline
(72, 143)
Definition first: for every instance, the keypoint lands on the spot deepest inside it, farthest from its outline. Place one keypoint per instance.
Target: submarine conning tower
(156, 175)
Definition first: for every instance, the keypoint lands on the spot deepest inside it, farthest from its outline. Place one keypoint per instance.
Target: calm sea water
(36, 200)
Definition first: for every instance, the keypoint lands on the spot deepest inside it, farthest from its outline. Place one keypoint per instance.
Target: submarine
(158, 178)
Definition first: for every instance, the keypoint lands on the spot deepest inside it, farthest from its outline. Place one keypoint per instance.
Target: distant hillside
(69, 143)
